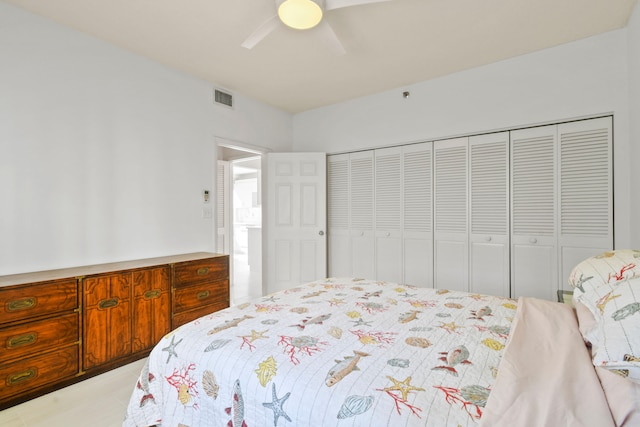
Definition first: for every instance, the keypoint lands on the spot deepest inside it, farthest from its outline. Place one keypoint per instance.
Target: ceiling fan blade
(326, 32)
(261, 32)
(337, 4)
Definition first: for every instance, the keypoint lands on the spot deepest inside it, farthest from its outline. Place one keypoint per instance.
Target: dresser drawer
(196, 296)
(32, 373)
(106, 291)
(201, 271)
(187, 316)
(152, 282)
(28, 338)
(26, 302)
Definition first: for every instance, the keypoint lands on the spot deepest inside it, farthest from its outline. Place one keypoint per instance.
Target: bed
(354, 352)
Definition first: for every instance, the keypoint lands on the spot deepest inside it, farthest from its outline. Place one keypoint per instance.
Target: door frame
(222, 142)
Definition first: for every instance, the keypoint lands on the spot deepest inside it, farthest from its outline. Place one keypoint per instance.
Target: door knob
(321, 233)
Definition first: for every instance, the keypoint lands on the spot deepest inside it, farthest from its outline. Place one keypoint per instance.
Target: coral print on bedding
(336, 352)
(618, 331)
(609, 286)
(606, 268)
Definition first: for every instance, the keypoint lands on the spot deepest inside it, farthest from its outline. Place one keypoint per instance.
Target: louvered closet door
(534, 252)
(338, 239)
(361, 210)
(388, 214)
(585, 189)
(451, 253)
(489, 214)
(417, 214)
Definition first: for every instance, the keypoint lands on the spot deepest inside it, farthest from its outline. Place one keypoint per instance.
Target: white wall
(633, 30)
(583, 78)
(104, 154)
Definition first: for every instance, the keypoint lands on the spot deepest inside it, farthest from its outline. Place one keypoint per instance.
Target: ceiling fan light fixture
(300, 14)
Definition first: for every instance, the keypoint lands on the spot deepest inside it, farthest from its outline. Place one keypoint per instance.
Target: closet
(561, 202)
(507, 213)
(350, 204)
(379, 214)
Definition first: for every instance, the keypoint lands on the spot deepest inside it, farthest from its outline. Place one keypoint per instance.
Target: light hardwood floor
(100, 401)
(245, 283)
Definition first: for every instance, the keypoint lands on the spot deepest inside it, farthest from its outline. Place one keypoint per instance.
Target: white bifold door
(338, 219)
(471, 238)
(380, 204)
(489, 214)
(507, 213)
(451, 242)
(351, 205)
(585, 190)
(417, 216)
(534, 257)
(404, 240)
(561, 186)
(361, 214)
(388, 214)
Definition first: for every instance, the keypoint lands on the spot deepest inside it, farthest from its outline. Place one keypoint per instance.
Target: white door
(451, 247)
(388, 214)
(586, 192)
(296, 219)
(338, 240)
(489, 214)
(417, 217)
(534, 254)
(361, 214)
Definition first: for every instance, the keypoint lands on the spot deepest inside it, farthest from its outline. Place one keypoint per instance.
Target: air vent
(223, 98)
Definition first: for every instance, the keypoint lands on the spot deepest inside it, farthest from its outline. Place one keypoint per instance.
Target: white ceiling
(389, 45)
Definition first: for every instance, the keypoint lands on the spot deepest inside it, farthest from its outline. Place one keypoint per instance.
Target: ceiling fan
(303, 15)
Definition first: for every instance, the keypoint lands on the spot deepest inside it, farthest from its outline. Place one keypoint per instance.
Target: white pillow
(607, 267)
(588, 325)
(616, 307)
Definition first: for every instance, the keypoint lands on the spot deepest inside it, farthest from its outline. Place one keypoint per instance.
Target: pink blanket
(546, 377)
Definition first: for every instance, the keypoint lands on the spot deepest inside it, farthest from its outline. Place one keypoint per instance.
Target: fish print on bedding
(335, 352)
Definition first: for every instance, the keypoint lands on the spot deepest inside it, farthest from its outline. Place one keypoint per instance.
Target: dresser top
(72, 272)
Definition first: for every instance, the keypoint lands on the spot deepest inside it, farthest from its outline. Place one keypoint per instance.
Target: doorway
(240, 219)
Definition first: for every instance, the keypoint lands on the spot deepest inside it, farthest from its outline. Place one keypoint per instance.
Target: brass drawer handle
(154, 293)
(202, 271)
(202, 295)
(108, 303)
(21, 340)
(23, 376)
(21, 304)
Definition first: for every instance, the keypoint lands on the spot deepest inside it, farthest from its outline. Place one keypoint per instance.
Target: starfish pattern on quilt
(171, 348)
(276, 406)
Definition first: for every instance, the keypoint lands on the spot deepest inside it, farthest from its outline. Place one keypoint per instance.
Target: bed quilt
(335, 352)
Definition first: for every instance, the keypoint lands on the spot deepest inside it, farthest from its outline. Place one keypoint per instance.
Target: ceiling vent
(223, 98)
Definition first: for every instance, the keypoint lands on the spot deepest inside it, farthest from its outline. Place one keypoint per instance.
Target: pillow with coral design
(618, 307)
(607, 267)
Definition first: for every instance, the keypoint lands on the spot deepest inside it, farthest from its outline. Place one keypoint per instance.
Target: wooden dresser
(61, 326)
